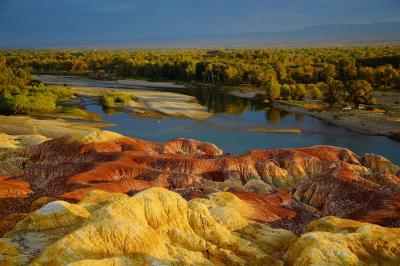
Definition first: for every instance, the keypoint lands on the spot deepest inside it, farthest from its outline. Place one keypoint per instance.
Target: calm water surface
(234, 116)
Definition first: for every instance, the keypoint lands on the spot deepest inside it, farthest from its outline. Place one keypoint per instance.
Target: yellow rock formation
(159, 227)
(154, 227)
(16, 141)
(335, 241)
(26, 131)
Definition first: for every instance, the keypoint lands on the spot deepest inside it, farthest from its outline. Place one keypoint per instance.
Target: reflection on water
(273, 116)
(299, 117)
(218, 102)
(234, 116)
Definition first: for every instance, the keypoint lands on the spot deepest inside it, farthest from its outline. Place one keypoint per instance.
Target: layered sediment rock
(379, 164)
(334, 241)
(156, 226)
(159, 227)
(184, 202)
(289, 187)
(21, 131)
(353, 192)
(208, 208)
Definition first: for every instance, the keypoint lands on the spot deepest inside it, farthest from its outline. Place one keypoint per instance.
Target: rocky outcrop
(334, 241)
(16, 141)
(155, 226)
(128, 165)
(22, 131)
(351, 193)
(159, 227)
(12, 161)
(289, 187)
(72, 194)
(101, 198)
(14, 197)
(15, 215)
(380, 164)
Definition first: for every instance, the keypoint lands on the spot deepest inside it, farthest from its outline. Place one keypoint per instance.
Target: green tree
(298, 92)
(358, 91)
(348, 69)
(367, 73)
(333, 91)
(387, 77)
(327, 71)
(273, 90)
(231, 74)
(316, 93)
(285, 91)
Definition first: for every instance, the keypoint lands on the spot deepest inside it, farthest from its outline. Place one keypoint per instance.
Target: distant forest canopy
(285, 73)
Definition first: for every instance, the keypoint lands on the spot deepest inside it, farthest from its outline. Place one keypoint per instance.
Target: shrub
(39, 102)
(285, 92)
(273, 90)
(60, 92)
(30, 100)
(316, 93)
(116, 99)
(298, 92)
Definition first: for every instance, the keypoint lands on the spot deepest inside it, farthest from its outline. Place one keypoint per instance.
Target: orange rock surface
(287, 187)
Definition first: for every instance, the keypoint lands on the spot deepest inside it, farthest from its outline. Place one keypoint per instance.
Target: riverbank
(361, 121)
(152, 104)
(385, 122)
(152, 98)
(243, 91)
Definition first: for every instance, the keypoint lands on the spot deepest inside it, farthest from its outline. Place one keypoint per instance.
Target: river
(229, 127)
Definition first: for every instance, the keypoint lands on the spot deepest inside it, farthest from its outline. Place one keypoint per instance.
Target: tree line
(348, 73)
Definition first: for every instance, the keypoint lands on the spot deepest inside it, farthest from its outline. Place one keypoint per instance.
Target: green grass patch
(111, 100)
(24, 100)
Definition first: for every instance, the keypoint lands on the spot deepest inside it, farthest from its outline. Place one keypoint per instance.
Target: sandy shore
(361, 121)
(150, 102)
(158, 102)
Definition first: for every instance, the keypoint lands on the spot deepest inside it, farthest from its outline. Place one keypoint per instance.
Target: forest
(20, 93)
(330, 74)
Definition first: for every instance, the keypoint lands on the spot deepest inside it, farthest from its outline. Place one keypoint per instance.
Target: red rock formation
(12, 188)
(268, 208)
(332, 180)
(13, 197)
(337, 194)
(379, 164)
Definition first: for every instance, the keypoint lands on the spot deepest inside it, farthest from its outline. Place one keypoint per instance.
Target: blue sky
(47, 21)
